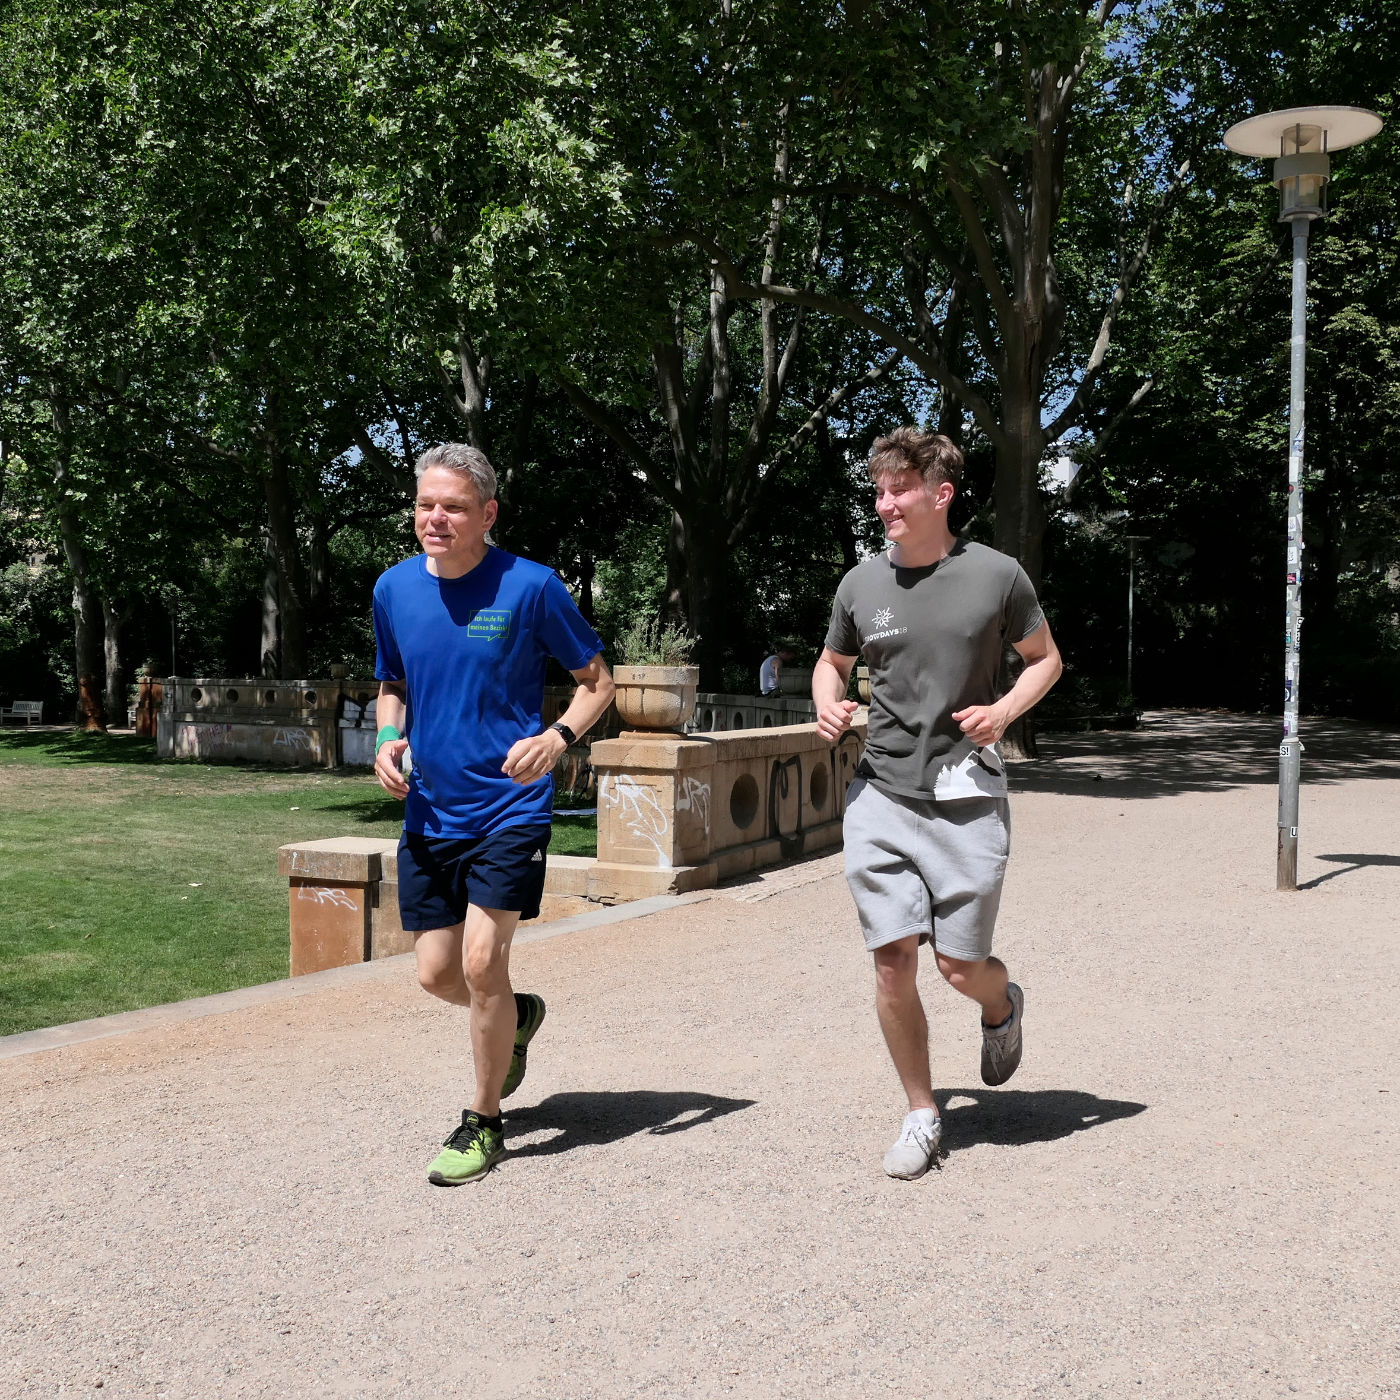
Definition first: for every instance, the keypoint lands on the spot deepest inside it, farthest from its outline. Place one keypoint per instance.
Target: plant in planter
(655, 682)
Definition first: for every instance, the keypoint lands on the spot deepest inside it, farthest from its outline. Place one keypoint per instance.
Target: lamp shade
(1302, 130)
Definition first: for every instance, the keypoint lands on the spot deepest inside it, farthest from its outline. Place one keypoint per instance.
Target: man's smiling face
(908, 507)
(450, 521)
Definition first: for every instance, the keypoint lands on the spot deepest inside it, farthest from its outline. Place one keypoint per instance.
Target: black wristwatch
(570, 738)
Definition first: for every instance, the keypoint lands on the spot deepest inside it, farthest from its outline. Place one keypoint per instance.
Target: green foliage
(651, 642)
(255, 256)
(1200, 468)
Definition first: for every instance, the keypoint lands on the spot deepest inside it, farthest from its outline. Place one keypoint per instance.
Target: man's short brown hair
(935, 457)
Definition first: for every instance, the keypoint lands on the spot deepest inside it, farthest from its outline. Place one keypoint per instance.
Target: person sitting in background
(768, 672)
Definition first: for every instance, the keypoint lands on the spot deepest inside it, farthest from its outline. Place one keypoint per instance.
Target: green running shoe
(529, 1017)
(469, 1153)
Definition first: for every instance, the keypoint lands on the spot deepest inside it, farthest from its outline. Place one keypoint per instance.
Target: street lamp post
(1300, 140)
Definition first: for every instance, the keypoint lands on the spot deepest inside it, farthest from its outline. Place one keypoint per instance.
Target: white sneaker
(916, 1147)
(1001, 1046)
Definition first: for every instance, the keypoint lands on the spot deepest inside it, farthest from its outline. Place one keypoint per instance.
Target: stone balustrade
(678, 812)
(283, 722)
(327, 723)
(675, 812)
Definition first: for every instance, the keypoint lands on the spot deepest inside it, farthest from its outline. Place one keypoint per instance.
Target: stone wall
(293, 723)
(675, 812)
(681, 812)
(325, 723)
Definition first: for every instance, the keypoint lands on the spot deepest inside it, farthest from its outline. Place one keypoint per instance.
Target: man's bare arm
(530, 759)
(830, 678)
(985, 724)
(391, 709)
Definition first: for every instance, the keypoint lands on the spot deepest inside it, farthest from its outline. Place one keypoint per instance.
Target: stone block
(613, 882)
(387, 935)
(654, 816)
(569, 875)
(330, 924)
(339, 859)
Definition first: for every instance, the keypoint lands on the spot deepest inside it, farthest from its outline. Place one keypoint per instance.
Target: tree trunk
(673, 607)
(267, 647)
(1017, 497)
(87, 626)
(1020, 532)
(112, 623)
(705, 593)
(586, 570)
(291, 590)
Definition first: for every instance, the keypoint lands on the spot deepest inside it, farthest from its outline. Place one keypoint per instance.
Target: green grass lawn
(126, 882)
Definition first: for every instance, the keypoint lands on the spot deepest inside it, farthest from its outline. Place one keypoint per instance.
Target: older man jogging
(463, 632)
(927, 829)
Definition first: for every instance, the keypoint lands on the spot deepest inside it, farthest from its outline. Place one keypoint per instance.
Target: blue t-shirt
(472, 651)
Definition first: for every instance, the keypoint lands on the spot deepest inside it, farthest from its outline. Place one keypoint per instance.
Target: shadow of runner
(1349, 865)
(588, 1120)
(1010, 1117)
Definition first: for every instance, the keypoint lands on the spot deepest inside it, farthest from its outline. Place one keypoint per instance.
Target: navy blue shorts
(439, 876)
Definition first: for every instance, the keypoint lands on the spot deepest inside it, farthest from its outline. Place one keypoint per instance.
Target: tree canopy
(674, 266)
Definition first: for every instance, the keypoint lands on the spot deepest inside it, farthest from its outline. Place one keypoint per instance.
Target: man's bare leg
(469, 965)
(439, 955)
(486, 966)
(902, 1018)
(984, 982)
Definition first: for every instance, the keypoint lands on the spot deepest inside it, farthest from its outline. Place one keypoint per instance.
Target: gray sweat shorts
(935, 869)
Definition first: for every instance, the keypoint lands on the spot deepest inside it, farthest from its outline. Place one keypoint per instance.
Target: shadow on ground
(73, 746)
(1349, 864)
(586, 1120)
(1011, 1117)
(1178, 752)
(370, 808)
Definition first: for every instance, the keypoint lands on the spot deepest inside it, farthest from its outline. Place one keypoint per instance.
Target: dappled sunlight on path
(1177, 752)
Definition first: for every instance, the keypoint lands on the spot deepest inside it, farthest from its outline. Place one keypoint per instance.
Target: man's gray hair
(466, 461)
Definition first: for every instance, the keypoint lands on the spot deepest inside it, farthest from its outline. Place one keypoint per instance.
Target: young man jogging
(463, 632)
(927, 830)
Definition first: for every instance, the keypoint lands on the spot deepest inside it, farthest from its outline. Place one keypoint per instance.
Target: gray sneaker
(916, 1147)
(1001, 1045)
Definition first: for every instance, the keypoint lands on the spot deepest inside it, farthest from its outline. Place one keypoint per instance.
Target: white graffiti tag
(694, 796)
(323, 894)
(292, 739)
(638, 809)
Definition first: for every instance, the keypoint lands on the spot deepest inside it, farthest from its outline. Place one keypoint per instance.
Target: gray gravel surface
(1189, 1189)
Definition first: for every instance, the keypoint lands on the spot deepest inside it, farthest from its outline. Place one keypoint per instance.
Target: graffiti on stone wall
(324, 894)
(694, 796)
(638, 809)
(292, 739)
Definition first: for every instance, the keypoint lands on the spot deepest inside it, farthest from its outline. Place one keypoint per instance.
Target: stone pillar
(654, 820)
(333, 889)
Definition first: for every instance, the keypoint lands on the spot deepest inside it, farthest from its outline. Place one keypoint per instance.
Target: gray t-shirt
(933, 639)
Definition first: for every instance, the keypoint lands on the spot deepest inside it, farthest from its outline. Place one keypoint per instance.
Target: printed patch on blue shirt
(490, 624)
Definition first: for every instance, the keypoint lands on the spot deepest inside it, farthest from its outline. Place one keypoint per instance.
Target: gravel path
(1188, 1190)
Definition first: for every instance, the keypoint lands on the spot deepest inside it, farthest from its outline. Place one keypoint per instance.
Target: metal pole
(1290, 750)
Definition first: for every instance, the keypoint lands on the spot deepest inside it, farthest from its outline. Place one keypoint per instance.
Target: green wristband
(387, 735)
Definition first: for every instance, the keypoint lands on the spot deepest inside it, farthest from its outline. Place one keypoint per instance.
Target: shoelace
(463, 1137)
(923, 1135)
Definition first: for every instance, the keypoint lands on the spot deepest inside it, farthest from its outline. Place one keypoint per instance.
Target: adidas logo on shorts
(537, 856)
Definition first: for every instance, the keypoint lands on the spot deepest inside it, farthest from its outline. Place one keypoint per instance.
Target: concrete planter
(795, 680)
(656, 697)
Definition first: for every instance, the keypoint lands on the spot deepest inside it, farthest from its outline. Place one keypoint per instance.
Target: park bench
(27, 710)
